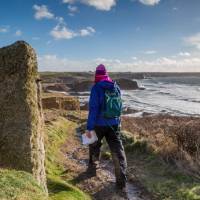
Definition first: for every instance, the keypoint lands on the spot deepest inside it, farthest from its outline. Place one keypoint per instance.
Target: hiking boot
(92, 170)
(122, 191)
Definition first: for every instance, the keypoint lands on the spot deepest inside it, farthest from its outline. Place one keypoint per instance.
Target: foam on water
(176, 96)
(172, 95)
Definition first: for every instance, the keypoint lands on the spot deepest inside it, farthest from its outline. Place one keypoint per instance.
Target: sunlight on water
(177, 96)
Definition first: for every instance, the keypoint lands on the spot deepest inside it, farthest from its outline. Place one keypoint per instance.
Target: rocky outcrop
(82, 86)
(127, 84)
(55, 87)
(61, 102)
(85, 106)
(21, 119)
(128, 110)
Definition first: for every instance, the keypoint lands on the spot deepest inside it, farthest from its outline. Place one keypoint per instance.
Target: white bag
(86, 140)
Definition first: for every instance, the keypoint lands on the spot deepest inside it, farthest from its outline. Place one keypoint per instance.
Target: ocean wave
(190, 100)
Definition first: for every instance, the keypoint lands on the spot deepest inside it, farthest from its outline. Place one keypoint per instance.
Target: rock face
(21, 118)
(61, 102)
(127, 84)
(85, 106)
(82, 86)
(56, 87)
(129, 110)
(86, 85)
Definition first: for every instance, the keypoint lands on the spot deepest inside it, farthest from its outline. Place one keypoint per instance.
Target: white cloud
(105, 5)
(149, 52)
(193, 40)
(184, 54)
(42, 12)
(72, 9)
(161, 64)
(49, 42)
(63, 32)
(87, 31)
(68, 1)
(149, 2)
(54, 63)
(4, 29)
(101, 4)
(134, 58)
(59, 19)
(35, 38)
(18, 33)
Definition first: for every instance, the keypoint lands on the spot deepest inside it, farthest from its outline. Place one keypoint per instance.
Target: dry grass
(176, 139)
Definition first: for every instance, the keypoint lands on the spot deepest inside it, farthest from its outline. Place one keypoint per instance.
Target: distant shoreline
(140, 74)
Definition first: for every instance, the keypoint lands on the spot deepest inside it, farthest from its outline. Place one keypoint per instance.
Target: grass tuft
(19, 185)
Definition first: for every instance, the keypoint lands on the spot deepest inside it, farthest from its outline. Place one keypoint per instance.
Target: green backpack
(112, 107)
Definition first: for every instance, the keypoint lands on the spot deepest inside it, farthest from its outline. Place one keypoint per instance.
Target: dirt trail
(102, 186)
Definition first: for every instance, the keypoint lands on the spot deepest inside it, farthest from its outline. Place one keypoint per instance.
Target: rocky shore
(82, 82)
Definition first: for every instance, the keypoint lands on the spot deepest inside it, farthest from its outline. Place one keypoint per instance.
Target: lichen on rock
(21, 119)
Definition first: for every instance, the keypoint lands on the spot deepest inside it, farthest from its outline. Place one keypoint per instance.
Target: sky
(125, 35)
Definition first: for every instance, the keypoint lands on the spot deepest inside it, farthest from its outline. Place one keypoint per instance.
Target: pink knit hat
(102, 74)
(101, 70)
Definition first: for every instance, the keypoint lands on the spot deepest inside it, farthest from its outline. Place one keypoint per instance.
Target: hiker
(105, 107)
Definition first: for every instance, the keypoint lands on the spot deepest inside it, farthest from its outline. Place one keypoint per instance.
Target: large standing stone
(21, 119)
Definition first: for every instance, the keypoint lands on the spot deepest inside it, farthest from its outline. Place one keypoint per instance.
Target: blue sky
(125, 35)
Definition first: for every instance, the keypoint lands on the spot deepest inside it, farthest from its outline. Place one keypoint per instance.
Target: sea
(179, 96)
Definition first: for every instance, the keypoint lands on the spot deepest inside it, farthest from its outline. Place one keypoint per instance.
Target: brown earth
(101, 186)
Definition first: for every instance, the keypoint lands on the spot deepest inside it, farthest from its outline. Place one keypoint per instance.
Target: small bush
(106, 155)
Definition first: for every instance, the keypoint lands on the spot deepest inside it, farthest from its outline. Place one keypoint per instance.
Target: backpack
(112, 106)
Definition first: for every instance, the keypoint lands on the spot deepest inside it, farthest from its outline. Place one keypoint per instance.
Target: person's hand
(88, 134)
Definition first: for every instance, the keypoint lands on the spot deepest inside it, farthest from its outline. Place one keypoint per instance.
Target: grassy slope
(59, 189)
(163, 180)
(18, 185)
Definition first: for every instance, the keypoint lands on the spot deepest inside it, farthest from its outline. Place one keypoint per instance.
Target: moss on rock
(21, 120)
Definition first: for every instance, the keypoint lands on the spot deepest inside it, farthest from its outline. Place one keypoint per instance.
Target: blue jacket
(95, 116)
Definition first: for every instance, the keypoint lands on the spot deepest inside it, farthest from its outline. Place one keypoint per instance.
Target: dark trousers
(112, 135)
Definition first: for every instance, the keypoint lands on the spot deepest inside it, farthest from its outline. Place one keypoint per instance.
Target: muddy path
(101, 186)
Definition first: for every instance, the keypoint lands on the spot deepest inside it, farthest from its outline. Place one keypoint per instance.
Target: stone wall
(61, 102)
(21, 118)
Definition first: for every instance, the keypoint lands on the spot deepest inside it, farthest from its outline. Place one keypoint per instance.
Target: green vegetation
(161, 179)
(165, 181)
(59, 189)
(19, 185)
